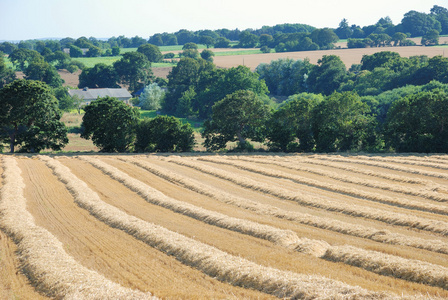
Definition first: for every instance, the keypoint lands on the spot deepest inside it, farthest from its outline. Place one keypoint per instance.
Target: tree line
(281, 37)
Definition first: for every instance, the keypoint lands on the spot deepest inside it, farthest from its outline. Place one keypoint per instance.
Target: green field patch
(195, 124)
(240, 52)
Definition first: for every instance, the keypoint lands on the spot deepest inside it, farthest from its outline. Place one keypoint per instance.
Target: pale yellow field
(224, 227)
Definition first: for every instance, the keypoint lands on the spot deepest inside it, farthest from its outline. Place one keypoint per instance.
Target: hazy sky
(30, 19)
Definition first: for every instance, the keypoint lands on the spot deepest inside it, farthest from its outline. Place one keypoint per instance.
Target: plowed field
(224, 227)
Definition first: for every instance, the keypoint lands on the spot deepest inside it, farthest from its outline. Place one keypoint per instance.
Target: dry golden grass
(44, 259)
(371, 233)
(412, 270)
(292, 226)
(393, 218)
(423, 193)
(210, 260)
(377, 197)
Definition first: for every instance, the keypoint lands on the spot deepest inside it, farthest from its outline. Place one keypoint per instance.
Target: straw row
(353, 210)
(210, 260)
(361, 231)
(388, 265)
(399, 202)
(44, 260)
(384, 175)
(286, 238)
(383, 165)
(350, 179)
(404, 160)
(402, 267)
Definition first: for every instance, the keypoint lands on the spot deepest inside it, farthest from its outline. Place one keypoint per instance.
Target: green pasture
(195, 124)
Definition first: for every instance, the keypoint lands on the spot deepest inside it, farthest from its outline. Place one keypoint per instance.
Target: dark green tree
(134, 70)
(327, 76)
(222, 42)
(290, 127)
(247, 39)
(30, 118)
(100, 76)
(285, 76)
(324, 38)
(237, 117)
(207, 55)
(110, 123)
(75, 51)
(431, 38)
(417, 23)
(341, 123)
(207, 41)
(213, 88)
(152, 52)
(41, 70)
(164, 134)
(115, 51)
(7, 47)
(7, 75)
(20, 58)
(418, 123)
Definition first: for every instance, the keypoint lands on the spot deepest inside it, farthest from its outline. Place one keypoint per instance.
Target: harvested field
(224, 226)
(348, 56)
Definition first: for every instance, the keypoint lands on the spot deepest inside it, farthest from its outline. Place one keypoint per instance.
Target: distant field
(348, 56)
(207, 226)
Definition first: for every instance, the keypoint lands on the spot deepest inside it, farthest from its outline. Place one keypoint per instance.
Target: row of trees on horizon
(282, 37)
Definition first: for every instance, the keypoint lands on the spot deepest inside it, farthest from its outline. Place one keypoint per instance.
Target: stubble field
(222, 226)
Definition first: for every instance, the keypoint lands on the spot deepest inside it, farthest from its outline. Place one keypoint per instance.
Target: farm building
(92, 94)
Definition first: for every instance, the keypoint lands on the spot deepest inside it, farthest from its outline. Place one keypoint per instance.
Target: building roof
(93, 94)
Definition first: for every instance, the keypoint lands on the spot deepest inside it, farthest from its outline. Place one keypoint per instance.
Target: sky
(36, 19)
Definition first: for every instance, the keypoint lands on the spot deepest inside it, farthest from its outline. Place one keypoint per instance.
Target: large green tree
(236, 118)
(152, 52)
(100, 76)
(7, 75)
(418, 123)
(110, 123)
(327, 76)
(342, 122)
(290, 127)
(30, 118)
(134, 70)
(164, 134)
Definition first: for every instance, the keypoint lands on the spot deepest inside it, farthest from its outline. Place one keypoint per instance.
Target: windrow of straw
(406, 161)
(402, 267)
(361, 231)
(384, 165)
(210, 260)
(392, 218)
(350, 179)
(286, 238)
(399, 202)
(388, 265)
(436, 275)
(378, 174)
(44, 260)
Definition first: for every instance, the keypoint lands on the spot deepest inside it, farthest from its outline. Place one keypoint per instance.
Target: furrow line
(45, 262)
(383, 236)
(210, 260)
(399, 202)
(321, 203)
